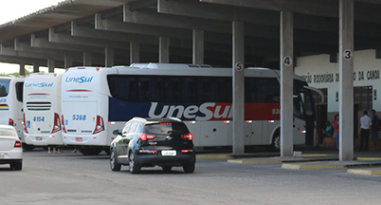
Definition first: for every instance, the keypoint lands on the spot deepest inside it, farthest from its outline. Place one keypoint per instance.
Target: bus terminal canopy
(223, 33)
(72, 27)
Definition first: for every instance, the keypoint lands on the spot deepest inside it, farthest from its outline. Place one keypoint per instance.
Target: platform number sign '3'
(287, 61)
(347, 54)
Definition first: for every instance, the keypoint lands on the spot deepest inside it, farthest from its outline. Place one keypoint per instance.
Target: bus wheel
(276, 141)
(28, 147)
(90, 151)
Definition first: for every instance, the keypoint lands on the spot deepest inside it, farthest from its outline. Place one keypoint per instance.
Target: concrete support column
(68, 62)
(164, 49)
(238, 87)
(286, 83)
(346, 15)
(22, 69)
(109, 57)
(198, 47)
(51, 65)
(87, 58)
(134, 52)
(36, 67)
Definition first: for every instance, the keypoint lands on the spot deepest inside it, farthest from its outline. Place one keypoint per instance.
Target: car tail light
(145, 137)
(100, 126)
(18, 144)
(63, 125)
(11, 122)
(23, 119)
(188, 136)
(57, 123)
(186, 150)
(147, 151)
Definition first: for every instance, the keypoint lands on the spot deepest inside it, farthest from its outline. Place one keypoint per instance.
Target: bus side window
(172, 89)
(132, 91)
(191, 88)
(157, 89)
(250, 90)
(268, 90)
(144, 87)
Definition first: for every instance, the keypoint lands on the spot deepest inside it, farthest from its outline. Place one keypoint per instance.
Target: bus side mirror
(116, 132)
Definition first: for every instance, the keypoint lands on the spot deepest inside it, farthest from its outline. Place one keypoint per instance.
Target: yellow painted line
(316, 155)
(298, 166)
(364, 172)
(216, 156)
(253, 161)
(367, 158)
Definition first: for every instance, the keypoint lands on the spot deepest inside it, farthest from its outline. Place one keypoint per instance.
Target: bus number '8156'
(79, 117)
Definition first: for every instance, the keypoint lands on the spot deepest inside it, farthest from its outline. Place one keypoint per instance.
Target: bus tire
(276, 141)
(114, 165)
(28, 147)
(90, 151)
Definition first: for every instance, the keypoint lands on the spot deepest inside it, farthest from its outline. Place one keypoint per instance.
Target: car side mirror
(116, 132)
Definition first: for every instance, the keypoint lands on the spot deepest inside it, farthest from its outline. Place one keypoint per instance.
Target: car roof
(158, 120)
(6, 126)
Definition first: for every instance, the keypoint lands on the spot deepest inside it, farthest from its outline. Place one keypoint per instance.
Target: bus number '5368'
(79, 117)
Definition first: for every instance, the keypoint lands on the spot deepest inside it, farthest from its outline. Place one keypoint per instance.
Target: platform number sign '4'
(347, 54)
(287, 61)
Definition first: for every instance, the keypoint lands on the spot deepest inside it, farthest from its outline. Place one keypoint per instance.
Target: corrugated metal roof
(55, 15)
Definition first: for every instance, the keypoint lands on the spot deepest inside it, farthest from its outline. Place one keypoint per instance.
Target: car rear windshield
(166, 128)
(4, 87)
(7, 132)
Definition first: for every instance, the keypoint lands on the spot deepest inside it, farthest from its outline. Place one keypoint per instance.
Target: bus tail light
(11, 122)
(188, 136)
(145, 137)
(23, 119)
(63, 125)
(18, 144)
(57, 123)
(100, 126)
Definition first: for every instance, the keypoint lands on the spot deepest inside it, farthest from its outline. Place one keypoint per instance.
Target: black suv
(145, 142)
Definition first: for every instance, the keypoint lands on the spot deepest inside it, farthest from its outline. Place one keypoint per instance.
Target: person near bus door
(374, 128)
(335, 124)
(365, 122)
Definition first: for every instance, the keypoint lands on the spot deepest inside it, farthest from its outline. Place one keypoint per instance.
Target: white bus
(42, 109)
(96, 101)
(11, 99)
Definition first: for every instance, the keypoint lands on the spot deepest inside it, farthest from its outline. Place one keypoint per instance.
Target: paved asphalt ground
(76, 179)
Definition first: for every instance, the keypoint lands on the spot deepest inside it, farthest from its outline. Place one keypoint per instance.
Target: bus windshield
(4, 87)
(303, 105)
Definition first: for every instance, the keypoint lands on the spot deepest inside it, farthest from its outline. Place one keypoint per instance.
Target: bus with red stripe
(96, 101)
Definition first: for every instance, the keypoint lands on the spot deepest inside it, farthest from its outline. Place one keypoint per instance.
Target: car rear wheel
(134, 168)
(166, 168)
(113, 164)
(189, 168)
(16, 165)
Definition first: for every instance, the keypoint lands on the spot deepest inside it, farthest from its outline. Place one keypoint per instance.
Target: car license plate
(38, 138)
(168, 152)
(78, 139)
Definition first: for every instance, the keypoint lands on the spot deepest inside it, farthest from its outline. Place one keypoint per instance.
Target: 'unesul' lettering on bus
(82, 79)
(39, 85)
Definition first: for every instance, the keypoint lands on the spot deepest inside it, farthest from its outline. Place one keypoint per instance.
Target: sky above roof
(14, 9)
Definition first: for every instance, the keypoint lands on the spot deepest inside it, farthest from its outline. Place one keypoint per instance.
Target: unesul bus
(96, 101)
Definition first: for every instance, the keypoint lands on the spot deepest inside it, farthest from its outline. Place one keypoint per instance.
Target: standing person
(335, 124)
(374, 129)
(365, 122)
